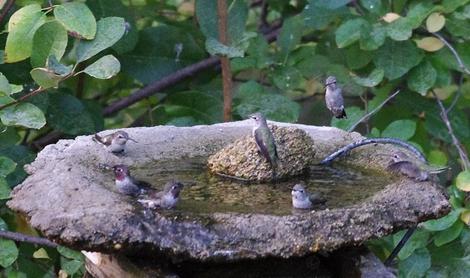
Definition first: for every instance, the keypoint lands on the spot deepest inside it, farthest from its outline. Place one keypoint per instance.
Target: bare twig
(263, 16)
(462, 153)
(373, 111)
(28, 95)
(399, 246)
(454, 52)
(29, 239)
(6, 9)
(457, 95)
(222, 15)
(346, 149)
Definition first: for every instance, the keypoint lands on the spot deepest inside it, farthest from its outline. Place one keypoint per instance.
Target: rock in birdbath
(241, 158)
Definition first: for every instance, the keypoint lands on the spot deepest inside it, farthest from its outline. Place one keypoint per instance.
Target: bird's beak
(133, 140)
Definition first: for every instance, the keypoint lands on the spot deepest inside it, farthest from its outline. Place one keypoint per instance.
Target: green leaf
(373, 6)
(22, 156)
(437, 157)
(109, 30)
(6, 166)
(56, 67)
(68, 115)
(45, 78)
(71, 266)
(23, 114)
(463, 181)
(397, 58)
(354, 114)
(286, 78)
(202, 107)
(70, 253)
(214, 47)
(21, 29)
(50, 39)
(350, 31)
(373, 37)
(77, 19)
(253, 97)
(400, 29)
(401, 129)
(419, 12)
(206, 12)
(452, 5)
(4, 191)
(357, 58)
(422, 78)
(290, 36)
(418, 240)
(416, 265)
(8, 252)
(318, 17)
(104, 68)
(448, 235)
(372, 80)
(5, 86)
(332, 4)
(443, 222)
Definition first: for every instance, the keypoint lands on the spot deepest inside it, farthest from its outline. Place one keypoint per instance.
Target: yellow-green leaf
(21, 29)
(41, 253)
(463, 181)
(45, 78)
(430, 44)
(435, 22)
(77, 19)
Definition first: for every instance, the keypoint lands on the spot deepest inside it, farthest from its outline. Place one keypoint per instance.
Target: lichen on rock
(241, 158)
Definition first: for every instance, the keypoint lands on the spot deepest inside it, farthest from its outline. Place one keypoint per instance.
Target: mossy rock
(241, 158)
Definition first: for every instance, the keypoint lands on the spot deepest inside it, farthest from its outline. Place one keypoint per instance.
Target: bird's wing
(260, 141)
(317, 198)
(406, 167)
(433, 169)
(105, 140)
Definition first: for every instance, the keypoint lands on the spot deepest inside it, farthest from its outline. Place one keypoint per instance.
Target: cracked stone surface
(72, 202)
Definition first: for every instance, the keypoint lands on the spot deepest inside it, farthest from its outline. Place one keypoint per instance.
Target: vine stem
(28, 95)
(19, 237)
(346, 149)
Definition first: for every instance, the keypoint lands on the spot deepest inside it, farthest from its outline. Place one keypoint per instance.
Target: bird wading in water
(301, 199)
(167, 199)
(403, 164)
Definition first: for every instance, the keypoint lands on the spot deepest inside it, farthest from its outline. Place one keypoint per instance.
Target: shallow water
(207, 193)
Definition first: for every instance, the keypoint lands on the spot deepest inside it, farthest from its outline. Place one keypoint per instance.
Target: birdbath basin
(73, 202)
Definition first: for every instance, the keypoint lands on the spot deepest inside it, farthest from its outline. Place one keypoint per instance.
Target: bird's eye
(120, 136)
(119, 170)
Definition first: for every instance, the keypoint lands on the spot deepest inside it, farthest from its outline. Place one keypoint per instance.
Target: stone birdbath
(220, 224)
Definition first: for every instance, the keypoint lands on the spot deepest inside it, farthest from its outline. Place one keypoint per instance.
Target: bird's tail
(341, 115)
(437, 170)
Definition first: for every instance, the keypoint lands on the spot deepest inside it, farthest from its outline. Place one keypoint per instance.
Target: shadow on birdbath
(71, 201)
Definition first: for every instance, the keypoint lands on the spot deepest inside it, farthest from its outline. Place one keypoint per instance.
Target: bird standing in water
(402, 163)
(114, 142)
(127, 184)
(265, 140)
(167, 199)
(302, 200)
(334, 98)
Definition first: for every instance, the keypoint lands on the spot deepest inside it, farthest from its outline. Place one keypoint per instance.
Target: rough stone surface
(70, 201)
(295, 149)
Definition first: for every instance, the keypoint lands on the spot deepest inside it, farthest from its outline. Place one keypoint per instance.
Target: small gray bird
(265, 140)
(127, 184)
(167, 199)
(114, 142)
(334, 98)
(302, 200)
(402, 163)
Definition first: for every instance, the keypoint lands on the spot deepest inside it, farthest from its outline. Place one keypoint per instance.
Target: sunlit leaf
(50, 39)
(45, 78)
(435, 22)
(41, 253)
(430, 44)
(463, 181)
(21, 29)
(390, 17)
(104, 68)
(77, 19)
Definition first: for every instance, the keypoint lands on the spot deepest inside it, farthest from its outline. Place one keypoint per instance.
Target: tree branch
(346, 149)
(373, 111)
(222, 15)
(27, 238)
(6, 9)
(462, 153)
(28, 95)
(452, 49)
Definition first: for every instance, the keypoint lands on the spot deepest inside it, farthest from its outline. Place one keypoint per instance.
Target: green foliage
(77, 18)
